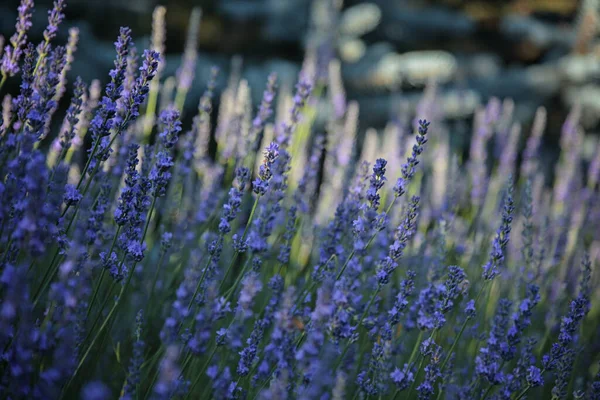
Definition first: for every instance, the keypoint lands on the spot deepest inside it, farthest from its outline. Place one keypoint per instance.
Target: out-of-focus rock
(360, 19)
(352, 50)
(286, 20)
(409, 26)
(541, 34)
(578, 69)
(535, 83)
(454, 104)
(480, 65)
(460, 103)
(383, 68)
(362, 74)
(588, 98)
(420, 67)
(536, 52)
(244, 9)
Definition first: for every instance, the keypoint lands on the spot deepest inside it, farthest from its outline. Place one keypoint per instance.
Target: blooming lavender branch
(12, 53)
(292, 289)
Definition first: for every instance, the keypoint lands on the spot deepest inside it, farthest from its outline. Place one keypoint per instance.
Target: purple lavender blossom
(497, 254)
(72, 195)
(396, 250)
(432, 373)
(594, 389)
(578, 308)
(290, 231)
(234, 201)
(402, 378)
(102, 122)
(124, 208)
(489, 360)
(303, 91)
(521, 320)
(137, 358)
(265, 110)
(261, 183)
(534, 376)
(349, 282)
(484, 123)
(72, 117)
(169, 382)
(55, 17)
(370, 221)
(308, 354)
(138, 93)
(160, 174)
(408, 169)
(185, 73)
(12, 53)
(96, 390)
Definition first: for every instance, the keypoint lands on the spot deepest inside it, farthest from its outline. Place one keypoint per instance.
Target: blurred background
(535, 52)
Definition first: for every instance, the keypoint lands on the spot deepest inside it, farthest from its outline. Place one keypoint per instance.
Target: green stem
(487, 392)
(104, 303)
(156, 358)
(523, 393)
(152, 205)
(345, 265)
(7, 251)
(92, 174)
(263, 384)
(415, 348)
(363, 316)
(54, 264)
(88, 162)
(454, 343)
(97, 288)
(387, 211)
(155, 279)
(305, 292)
(94, 340)
(37, 295)
(232, 289)
(3, 81)
(439, 396)
(236, 253)
(41, 57)
(462, 329)
(412, 385)
(113, 309)
(199, 283)
(186, 363)
(151, 109)
(201, 373)
(180, 96)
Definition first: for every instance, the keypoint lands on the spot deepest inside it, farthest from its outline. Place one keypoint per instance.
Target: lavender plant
(137, 263)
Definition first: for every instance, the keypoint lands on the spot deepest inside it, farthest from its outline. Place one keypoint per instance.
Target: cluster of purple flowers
(151, 264)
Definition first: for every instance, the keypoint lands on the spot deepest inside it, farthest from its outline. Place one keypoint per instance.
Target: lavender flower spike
(12, 53)
(261, 183)
(140, 89)
(265, 110)
(497, 254)
(408, 169)
(160, 174)
(102, 123)
(55, 17)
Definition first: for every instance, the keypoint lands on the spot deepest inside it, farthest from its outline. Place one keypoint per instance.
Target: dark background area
(537, 52)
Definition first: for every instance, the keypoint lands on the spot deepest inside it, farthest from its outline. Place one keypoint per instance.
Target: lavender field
(276, 250)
